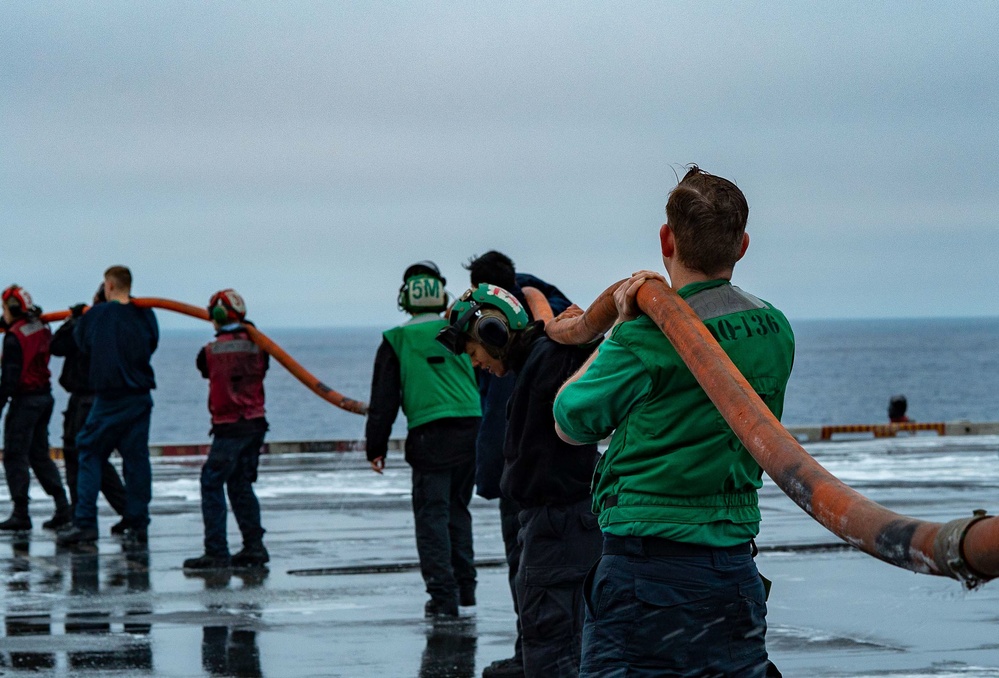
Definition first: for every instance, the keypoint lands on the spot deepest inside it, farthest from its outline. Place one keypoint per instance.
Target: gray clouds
(310, 151)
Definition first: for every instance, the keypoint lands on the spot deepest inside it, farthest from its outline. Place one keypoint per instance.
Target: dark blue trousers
(696, 615)
(510, 527)
(444, 530)
(26, 446)
(75, 416)
(558, 545)
(123, 424)
(231, 467)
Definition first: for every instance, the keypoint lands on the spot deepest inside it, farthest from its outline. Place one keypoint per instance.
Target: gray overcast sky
(306, 153)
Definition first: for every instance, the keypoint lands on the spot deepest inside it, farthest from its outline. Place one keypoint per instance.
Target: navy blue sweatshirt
(75, 376)
(120, 340)
(495, 393)
(541, 469)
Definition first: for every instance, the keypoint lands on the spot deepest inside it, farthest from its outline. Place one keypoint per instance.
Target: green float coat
(435, 384)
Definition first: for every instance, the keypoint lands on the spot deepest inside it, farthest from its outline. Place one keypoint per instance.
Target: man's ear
(666, 241)
(745, 246)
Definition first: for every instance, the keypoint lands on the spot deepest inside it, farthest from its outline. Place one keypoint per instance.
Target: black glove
(77, 310)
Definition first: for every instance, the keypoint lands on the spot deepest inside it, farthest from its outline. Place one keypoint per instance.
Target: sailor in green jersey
(438, 394)
(676, 591)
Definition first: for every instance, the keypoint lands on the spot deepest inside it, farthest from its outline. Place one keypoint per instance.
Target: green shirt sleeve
(589, 409)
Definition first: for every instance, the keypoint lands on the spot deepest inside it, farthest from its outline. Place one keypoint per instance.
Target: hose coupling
(948, 550)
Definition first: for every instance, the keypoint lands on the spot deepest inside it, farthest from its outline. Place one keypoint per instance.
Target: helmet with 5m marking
(422, 289)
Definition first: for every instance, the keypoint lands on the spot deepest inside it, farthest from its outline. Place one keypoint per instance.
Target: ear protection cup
(220, 313)
(401, 299)
(492, 331)
(490, 328)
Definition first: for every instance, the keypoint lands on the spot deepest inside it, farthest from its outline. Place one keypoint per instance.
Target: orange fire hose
(260, 339)
(965, 549)
(538, 303)
(576, 326)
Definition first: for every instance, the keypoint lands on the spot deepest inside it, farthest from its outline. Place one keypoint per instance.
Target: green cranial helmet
(422, 289)
(487, 314)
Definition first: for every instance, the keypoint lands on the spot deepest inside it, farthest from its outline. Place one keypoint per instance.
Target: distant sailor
(896, 409)
(24, 380)
(437, 393)
(235, 369)
(120, 338)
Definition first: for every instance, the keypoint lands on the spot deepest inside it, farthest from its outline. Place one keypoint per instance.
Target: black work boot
(19, 520)
(136, 538)
(207, 562)
(440, 608)
(76, 535)
(513, 667)
(251, 555)
(63, 517)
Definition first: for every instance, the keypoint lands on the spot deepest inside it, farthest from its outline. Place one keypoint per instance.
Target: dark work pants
(231, 467)
(73, 419)
(444, 530)
(559, 544)
(26, 446)
(122, 424)
(682, 616)
(510, 526)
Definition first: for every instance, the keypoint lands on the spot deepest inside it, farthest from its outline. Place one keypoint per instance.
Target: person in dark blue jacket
(495, 268)
(75, 378)
(120, 338)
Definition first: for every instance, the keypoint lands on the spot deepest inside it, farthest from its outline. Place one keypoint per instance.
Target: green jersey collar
(694, 288)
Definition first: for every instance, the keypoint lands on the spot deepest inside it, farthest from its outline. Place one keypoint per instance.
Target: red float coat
(34, 336)
(236, 368)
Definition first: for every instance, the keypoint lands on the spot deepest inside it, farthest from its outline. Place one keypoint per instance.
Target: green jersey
(435, 383)
(674, 468)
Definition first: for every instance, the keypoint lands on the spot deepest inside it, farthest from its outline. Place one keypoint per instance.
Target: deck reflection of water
(112, 611)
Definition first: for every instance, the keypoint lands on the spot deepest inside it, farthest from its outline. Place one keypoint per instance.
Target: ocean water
(844, 372)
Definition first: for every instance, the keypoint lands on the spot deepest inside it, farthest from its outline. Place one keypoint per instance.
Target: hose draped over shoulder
(966, 549)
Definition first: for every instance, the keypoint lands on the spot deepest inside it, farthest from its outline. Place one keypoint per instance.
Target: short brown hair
(708, 216)
(121, 276)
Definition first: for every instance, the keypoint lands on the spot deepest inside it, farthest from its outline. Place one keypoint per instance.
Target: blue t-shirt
(120, 340)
